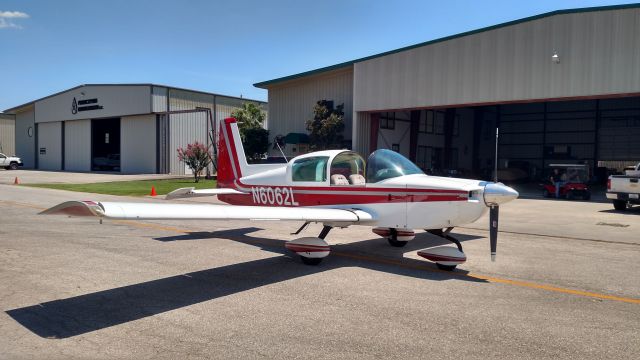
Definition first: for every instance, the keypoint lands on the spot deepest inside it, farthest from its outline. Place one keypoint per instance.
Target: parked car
(10, 162)
(110, 162)
(624, 190)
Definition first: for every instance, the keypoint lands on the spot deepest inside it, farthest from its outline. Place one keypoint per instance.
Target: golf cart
(574, 177)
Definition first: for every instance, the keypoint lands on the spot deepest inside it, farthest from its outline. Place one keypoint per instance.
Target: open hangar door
(105, 144)
(601, 133)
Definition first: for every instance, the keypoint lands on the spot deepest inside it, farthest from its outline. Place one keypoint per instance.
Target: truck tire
(620, 205)
(13, 166)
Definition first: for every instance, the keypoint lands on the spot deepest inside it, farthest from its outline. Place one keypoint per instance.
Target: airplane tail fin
(232, 162)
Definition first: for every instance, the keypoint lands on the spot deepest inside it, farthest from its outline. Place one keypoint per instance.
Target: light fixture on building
(555, 58)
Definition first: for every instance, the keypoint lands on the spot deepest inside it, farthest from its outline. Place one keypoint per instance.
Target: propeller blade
(493, 230)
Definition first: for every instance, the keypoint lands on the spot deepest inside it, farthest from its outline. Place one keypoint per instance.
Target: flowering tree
(196, 156)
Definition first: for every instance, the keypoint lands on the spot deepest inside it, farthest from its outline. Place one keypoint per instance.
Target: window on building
(426, 123)
(310, 169)
(454, 158)
(456, 125)
(439, 122)
(387, 121)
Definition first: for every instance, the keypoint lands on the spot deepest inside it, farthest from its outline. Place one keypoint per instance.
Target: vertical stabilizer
(232, 162)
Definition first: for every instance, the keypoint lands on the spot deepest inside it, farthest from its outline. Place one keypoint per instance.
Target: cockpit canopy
(386, 164)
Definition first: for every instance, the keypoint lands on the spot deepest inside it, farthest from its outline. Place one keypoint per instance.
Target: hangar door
(619, 129)
(105, 144)
(49, 145)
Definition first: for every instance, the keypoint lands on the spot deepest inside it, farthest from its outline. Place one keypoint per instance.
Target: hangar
(7, 134)
(560, 86)
(127, 128)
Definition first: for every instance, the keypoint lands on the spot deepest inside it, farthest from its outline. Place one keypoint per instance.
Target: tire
(620, 205)
(546, 193)
(396, 243)
(570, 195)
(446, 267)
(6, 168)
(586, 196)
(311, 261)
(13, 166)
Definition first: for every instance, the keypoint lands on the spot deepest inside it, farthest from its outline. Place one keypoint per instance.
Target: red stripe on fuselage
(340, 199)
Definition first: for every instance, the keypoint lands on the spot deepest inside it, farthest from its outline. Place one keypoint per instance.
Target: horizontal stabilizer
(164, 211)
(191, 192)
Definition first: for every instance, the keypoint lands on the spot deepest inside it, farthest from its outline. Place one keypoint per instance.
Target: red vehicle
(574, 182)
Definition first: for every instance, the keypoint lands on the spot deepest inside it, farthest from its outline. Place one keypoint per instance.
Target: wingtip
(75, 208)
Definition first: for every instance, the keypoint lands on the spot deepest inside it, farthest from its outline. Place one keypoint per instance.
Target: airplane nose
(498, 193)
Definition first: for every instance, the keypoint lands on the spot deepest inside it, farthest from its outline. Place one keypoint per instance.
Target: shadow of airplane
(81, 314)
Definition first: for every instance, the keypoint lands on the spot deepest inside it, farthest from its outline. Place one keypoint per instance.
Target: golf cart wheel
(570, 195)
(446, 267)
(546, 193)
(620, 205)
(311, 261)
(586, 196)
(396, 243)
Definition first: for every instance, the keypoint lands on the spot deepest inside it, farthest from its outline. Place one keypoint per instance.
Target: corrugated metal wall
(7, 135)
(50, 139)
(25, 144)
(77, 145)
(186, 128)
(291, 103)
(138, 144)
(599, 54)
(158, 99)
(361, 133)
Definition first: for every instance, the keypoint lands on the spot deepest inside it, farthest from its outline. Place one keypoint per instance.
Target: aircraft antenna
(495, 169)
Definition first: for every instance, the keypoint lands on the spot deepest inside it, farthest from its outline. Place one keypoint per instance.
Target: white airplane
(330, 187)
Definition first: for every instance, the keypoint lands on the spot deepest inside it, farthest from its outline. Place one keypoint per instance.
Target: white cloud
(13, 14)
(6, 19)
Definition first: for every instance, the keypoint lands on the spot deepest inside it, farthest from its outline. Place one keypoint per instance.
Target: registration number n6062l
(273, 196)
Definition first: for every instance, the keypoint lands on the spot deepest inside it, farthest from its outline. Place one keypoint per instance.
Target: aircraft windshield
(386, 164)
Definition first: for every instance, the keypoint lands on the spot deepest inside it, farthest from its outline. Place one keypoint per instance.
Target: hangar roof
(267, 83)
(15, 108)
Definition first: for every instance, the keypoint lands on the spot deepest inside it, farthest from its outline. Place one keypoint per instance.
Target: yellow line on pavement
(399, 263)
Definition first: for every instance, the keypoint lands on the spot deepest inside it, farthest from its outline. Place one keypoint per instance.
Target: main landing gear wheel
(396, 243)
(311, 249)
(310, 261)
(446, 267)
(394, 235)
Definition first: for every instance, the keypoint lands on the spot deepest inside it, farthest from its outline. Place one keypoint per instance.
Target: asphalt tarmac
(566, 284)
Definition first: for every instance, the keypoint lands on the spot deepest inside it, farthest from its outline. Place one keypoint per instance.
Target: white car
(10, 162)
(624, 190)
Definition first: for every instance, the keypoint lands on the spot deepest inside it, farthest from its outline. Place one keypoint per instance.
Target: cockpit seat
(356, 179)
(339, 179)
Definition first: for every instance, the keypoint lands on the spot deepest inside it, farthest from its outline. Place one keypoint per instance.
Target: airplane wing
(155, 211)
(190, 192)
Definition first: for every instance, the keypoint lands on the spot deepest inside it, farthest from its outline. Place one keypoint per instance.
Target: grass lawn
(132, 188)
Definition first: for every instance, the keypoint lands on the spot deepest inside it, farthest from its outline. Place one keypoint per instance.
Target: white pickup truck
(9, 162)
(624, 190)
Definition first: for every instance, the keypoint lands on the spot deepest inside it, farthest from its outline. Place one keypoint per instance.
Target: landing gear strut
(445, 235)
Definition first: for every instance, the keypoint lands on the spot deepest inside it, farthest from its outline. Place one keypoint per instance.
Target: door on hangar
(105, 144)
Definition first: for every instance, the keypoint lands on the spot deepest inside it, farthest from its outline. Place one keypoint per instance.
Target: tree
(325, 130)
(255, 139)
(255, 143)
(196, 156)
(249, 116)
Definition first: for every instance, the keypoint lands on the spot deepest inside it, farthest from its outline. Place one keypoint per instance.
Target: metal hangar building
(127, 128)
(561, 86)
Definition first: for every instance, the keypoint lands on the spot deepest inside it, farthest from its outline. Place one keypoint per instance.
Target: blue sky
(219, 46)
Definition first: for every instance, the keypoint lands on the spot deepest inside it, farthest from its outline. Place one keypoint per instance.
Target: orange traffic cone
(16, 181)
(153, 191)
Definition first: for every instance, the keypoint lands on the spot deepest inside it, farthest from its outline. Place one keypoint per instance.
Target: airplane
(332, 187)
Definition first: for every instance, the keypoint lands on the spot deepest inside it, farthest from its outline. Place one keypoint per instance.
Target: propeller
(493, 230)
